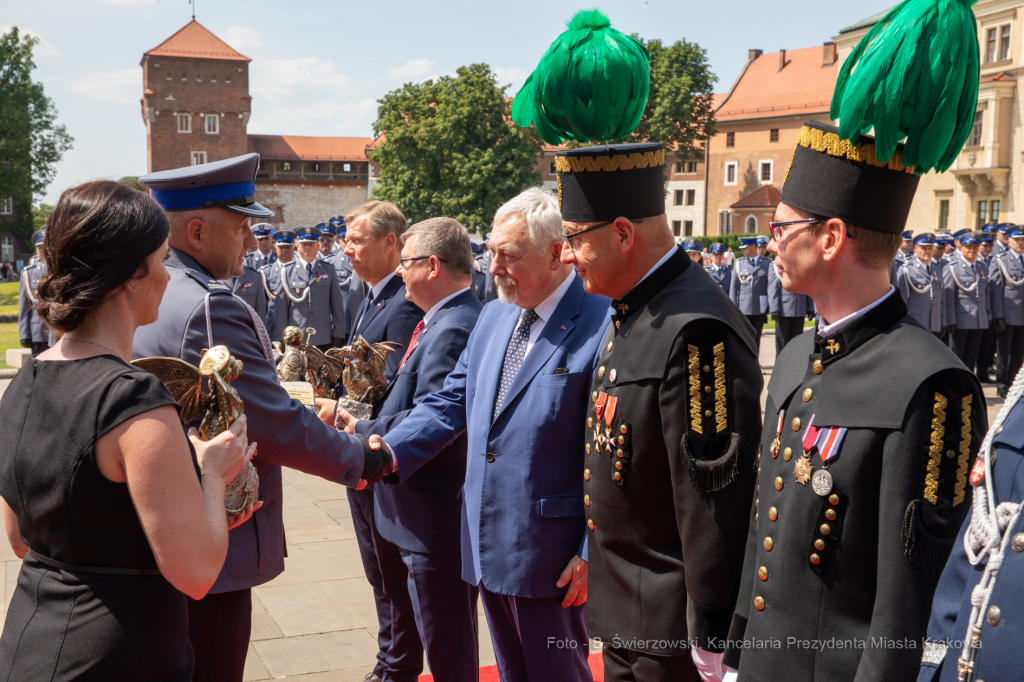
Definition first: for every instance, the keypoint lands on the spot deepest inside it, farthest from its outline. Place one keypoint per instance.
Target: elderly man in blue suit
(520, 394)
(418, 519)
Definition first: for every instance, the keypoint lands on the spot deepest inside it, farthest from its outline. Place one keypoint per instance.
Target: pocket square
(561, 370)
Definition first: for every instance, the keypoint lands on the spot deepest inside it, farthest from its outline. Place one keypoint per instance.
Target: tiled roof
(310, 148)
(195, 40)
(765, 196)
(1001, 76)
(803, 87)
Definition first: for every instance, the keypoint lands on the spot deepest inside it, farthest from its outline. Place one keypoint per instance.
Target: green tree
(449, 149)
(31, 140)
(40, 214)
(133, 182)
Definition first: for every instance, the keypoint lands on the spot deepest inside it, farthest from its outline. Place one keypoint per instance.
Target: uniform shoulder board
(246, 267)
(208, 283)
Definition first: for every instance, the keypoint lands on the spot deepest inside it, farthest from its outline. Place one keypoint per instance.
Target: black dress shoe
(984, 377)
(372, 677)
(1001, 391)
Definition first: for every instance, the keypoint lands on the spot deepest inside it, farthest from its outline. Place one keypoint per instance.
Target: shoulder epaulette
(208, 283)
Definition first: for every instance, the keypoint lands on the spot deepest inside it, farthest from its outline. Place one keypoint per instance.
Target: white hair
(539, 208)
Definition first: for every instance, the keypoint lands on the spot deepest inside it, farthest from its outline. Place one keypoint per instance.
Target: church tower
(195, 100)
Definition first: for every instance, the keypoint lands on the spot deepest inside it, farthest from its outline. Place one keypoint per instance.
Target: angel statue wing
(185, 383)
(379, 353)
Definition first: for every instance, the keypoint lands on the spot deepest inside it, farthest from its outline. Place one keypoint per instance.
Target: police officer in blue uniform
(264, 253)
(965, 280)
(719, 271)
(1005, 282)
(326, 243)
(249, 287)
(987, 349)
(1000, 235)
(788, 309)
(208, 207)
(270, 275)
(902, 256)
(749, 286)
(920, 283)
(32, 331)
(308, 295)
(694, 249)
(948, 243)
(340, 230)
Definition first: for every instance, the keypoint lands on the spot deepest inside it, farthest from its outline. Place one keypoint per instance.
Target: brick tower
(195, 99)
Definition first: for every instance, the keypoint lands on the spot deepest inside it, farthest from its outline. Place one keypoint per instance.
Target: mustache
(506, 282)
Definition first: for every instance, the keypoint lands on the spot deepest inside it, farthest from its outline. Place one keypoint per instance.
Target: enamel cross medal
(802, 468)
(774, 449)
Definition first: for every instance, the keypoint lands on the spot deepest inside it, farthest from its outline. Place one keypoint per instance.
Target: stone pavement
(317, 622)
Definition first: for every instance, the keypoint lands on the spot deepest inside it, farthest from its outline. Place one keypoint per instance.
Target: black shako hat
(605, 182)
(831, 177)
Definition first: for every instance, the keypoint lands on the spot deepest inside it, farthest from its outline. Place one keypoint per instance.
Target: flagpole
(193, 3)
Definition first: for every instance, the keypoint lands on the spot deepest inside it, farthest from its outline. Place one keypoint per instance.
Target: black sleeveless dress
(75, 625)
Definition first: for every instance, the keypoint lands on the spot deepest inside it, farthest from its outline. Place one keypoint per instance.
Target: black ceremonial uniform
(674, 420)
(838, 578)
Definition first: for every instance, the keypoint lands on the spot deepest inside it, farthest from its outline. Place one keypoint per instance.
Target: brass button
(590, 422)
(622, 440)
(588, 448)
(819, 544)
(773, 513)
(586, 500)
(796, 423)
(994, 615)
(617, 476)
(707, 413)
(787, 454)
(830, 514)
(762, 573)
(778, 482)
(768, 544)
(833, 499)
(616, 324)
(755, 516)
(590, 522)
(608, 348)
(489, 457)
(618, 465)
(600, 371)
(1018, 542)
(622, 428)
(756, 501)
(815, 559)
(618, 453)
(707, 389)
(818, 368)
(825, 530)
(759, 603)
(593, 396)
(707, 368)
(807, 394)
(586, 474)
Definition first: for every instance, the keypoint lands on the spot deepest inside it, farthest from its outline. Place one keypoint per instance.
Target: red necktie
(412, 343)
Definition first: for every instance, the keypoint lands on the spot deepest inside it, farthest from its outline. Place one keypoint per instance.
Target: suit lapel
(551, 337)
(386, 294)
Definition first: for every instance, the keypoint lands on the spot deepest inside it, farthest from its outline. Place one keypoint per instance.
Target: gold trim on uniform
(635, 161)
(931, 479)
(721, 417)
(694, 365)
(862, 152)
(965, 451)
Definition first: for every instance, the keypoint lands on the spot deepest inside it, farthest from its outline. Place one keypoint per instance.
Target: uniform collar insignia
(877, 320)
(655, 282)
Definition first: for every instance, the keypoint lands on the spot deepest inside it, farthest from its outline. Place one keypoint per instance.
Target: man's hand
(1000, 324)
(950, 328)
(575, 576)
(325, 410)
(26, 343)
(347, 419)
(246, 514)
(377, 461)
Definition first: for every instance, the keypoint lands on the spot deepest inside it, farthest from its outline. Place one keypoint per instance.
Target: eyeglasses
(776, 228)
(570, 237)
(403, 261)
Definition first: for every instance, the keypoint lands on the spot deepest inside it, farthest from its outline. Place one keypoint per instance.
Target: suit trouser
(758, 322)
(787, 329)
(987, 349)
(219, 626)
(442, 612)
(536, 640)
(623, 665)
(965, 344)
(401, 654)
(1011, 354)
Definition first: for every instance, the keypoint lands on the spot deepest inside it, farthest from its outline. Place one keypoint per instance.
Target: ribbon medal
(774, 449)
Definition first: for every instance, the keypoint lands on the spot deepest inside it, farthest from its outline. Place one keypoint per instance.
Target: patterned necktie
(309, 270)
(412, 343)
(514, 355)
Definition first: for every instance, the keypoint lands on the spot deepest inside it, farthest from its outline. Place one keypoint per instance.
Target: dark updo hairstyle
(97, 237)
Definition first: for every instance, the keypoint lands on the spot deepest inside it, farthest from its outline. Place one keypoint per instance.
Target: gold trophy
(363, 376)
(219, 408)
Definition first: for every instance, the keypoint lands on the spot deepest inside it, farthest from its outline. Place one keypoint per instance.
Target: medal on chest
(604, 409)
(774, 449)
(827, 442)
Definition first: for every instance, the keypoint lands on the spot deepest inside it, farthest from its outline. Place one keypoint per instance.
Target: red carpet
(490, 673)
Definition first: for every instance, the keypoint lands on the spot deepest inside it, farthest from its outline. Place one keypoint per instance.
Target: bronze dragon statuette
(363, 376)
(301, 361)
(219, 409)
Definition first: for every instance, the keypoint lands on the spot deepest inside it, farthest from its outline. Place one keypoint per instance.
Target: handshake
(377, 461)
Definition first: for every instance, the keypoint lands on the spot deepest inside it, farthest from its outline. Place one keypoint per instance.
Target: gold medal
(802, 469)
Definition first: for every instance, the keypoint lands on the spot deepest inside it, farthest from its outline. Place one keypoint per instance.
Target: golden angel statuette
(219, 409)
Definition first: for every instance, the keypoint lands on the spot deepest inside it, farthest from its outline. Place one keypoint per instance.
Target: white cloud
(280, 79)
(115, 86)
(42, 49)
(413, 69)
(242, 38)
(349, 119)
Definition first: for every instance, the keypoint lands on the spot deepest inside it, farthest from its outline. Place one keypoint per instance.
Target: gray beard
(508, 289)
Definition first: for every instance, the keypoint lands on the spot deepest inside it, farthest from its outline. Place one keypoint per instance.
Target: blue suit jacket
(424, 512)
(522, 510)
(391, 317)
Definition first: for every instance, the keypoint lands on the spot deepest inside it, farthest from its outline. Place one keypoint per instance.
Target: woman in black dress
(116, 514)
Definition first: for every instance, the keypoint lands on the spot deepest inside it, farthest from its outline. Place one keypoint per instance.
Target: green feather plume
(913, 76)
(591, 84)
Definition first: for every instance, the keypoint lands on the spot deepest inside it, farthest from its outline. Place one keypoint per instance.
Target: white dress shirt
(375, 292)
(545, 310)
(828, 329)
(440, 304)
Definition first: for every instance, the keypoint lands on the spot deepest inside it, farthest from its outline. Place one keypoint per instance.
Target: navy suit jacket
(424, 512)
(522, 504)
(391, 317)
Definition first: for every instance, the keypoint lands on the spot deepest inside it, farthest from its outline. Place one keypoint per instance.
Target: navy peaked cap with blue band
(907, 235)
(988, 227)
(228, 184)
(284, 237)
(969, 238)
(960, 233)
(325, 229)
(748, 241)
(262, 230)
(987, 238)
(717, 247)
(943, 237)
(762, 240)
(307, 234)
(926, 239)
(1014, 230)
(38, 236)
(692, 245)
(1003, 227)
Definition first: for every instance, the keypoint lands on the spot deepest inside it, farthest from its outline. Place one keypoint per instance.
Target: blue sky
(320, 65)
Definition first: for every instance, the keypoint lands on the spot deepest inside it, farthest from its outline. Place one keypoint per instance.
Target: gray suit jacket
(30, 326)
(288, 433)
(922, 289)
(968, 285)
(784, 303)
(305, 300)
(1006, 288)
(749, 287)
